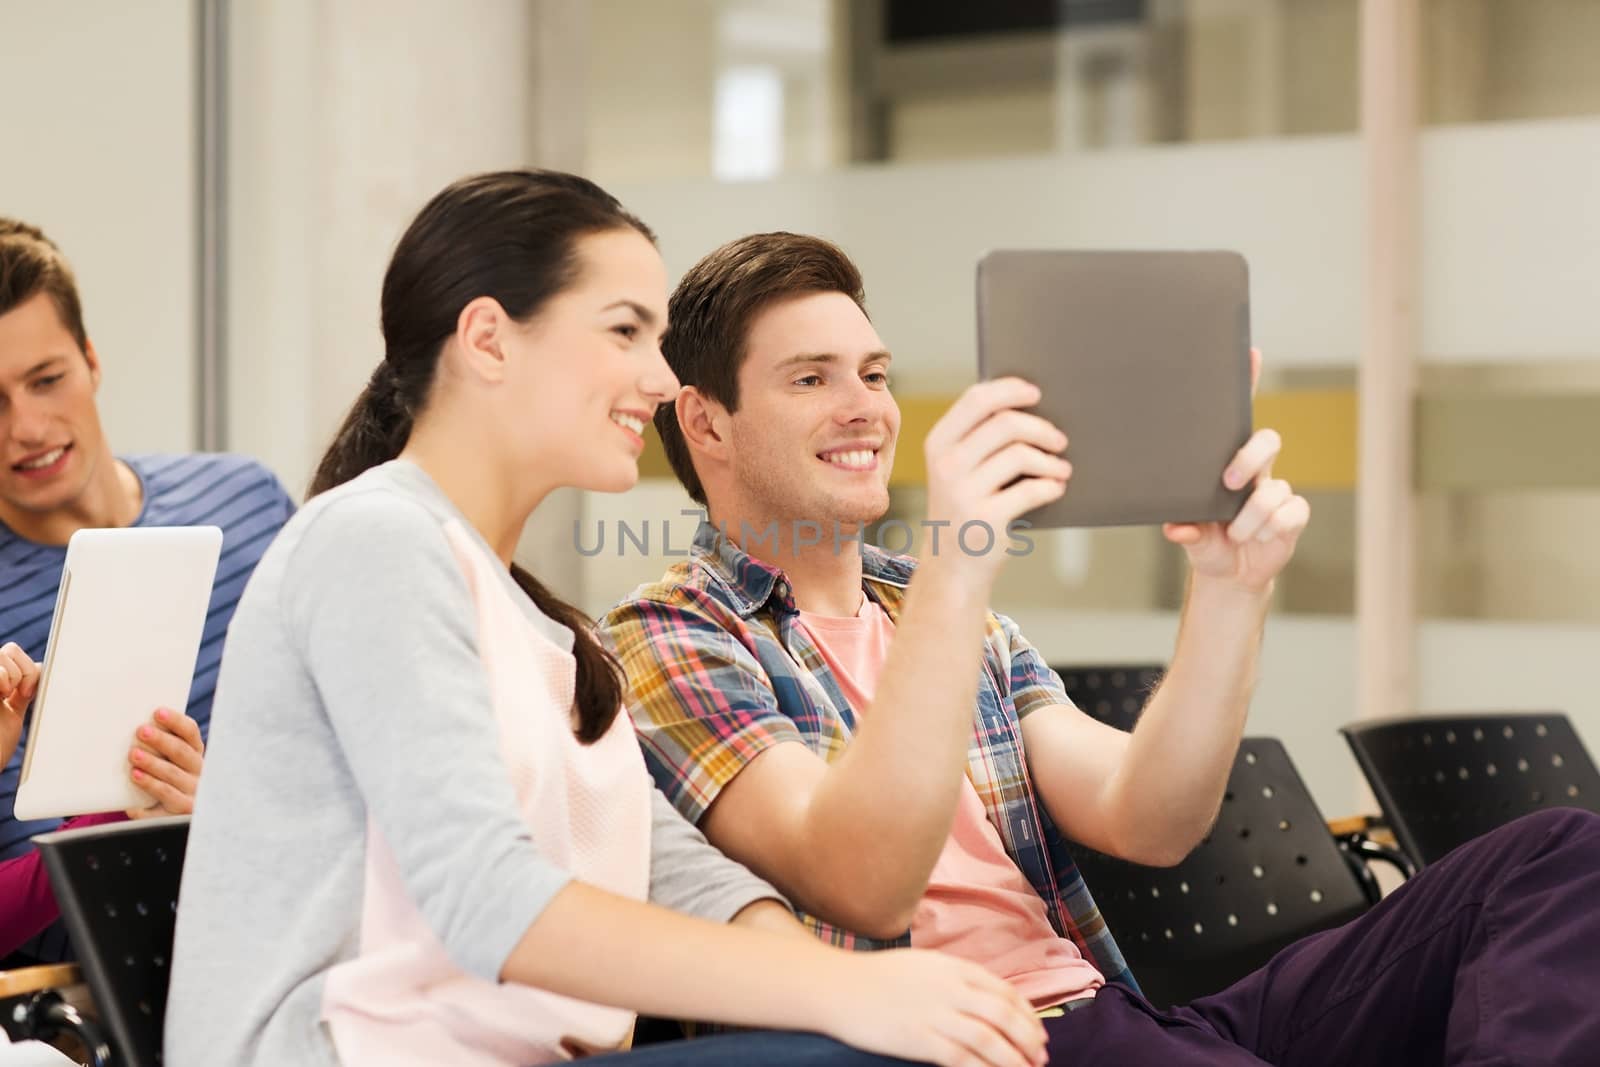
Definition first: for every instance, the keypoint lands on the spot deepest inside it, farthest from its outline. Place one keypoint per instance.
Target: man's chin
(845, 512)
(60, 492)
(35, 500)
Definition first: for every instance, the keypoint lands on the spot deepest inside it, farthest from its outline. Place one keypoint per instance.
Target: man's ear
(91, 357)
(480, 334)
(703, 421)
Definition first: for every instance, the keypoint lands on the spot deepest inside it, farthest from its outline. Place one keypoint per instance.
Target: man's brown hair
(710, 312)
(30, 264)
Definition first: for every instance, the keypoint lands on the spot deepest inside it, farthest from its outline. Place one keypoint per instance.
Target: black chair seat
(1268, 874)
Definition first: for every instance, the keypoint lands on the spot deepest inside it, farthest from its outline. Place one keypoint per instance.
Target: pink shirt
(978, 905)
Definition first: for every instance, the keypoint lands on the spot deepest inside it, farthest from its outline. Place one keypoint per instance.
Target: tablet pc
(124, 640)
(1144, 362)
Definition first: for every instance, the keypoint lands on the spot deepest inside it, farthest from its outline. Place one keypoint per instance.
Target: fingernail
(138, 775)
(144, 733)
(1232, 480)
(161, 714)
(137, 756)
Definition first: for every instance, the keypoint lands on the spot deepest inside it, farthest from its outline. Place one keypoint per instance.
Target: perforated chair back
(118, 890)
(1114, 694)
(1444, 780)
(1268, 874)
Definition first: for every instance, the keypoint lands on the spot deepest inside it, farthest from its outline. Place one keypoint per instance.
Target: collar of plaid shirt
(757, 591)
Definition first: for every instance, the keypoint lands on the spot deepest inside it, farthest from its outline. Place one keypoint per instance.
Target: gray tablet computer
(1144, 362)
(129, 617)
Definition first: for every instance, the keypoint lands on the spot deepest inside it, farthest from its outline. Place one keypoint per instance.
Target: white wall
(347, 116)
(1510, 246)
(98, 147)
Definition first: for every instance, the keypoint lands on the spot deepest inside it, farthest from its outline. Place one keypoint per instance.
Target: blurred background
(1413, 183)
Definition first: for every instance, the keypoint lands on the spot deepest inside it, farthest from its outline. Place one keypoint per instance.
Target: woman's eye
(48, 381)
(628, 330)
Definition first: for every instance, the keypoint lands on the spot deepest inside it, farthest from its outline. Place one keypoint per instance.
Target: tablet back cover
(1144, 362)
(126, 634)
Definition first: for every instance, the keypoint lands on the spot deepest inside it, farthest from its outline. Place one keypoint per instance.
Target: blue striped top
(232, 492)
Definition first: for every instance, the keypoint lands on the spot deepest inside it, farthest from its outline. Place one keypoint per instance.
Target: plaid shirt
(719, 670)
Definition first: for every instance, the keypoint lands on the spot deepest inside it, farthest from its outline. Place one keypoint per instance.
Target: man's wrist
(955, 582)
(1228, 594)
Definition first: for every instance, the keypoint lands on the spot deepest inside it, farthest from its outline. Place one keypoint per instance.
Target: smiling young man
(860, 729)
(58, 475)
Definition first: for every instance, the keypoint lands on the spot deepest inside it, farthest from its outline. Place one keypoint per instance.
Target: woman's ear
(481, 329)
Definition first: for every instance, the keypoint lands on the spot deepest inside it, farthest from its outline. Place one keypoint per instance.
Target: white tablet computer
(1143, 359)
(126, 633)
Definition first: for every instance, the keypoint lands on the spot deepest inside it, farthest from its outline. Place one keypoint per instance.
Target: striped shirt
(719, 669)
(232, 492)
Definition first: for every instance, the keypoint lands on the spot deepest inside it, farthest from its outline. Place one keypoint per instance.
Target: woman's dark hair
(513, 236)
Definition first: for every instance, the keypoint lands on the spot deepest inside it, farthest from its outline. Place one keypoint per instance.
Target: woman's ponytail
(374, 432)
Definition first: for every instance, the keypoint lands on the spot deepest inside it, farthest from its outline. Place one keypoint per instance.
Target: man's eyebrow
(47, 363)
(43, 364)
(803, 358)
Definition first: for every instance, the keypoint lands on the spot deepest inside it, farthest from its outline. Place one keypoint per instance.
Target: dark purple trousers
(1490, 956)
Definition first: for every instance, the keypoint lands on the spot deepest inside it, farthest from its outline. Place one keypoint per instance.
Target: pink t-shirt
(978, 905)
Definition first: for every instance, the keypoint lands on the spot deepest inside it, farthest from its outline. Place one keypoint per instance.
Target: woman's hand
(927, 1006)
(165, 763)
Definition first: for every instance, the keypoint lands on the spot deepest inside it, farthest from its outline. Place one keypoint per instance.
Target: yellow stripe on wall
(1318, 427)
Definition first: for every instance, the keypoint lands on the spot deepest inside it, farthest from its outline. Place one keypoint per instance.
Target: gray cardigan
(351, 688)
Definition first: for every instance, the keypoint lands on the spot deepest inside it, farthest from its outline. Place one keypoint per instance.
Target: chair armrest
(1364, 838)
(1352, 824)
(1370, 848)
(43, 1004)
(46, 1016)
(1371, 827)
(26, 980)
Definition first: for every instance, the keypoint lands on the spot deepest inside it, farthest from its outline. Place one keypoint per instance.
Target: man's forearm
(883, 812)
(1170, 784)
